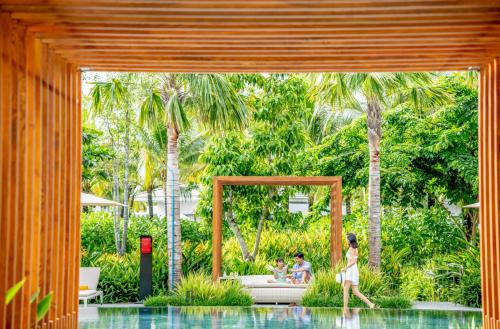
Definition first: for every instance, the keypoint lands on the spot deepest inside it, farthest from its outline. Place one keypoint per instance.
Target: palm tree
(372, 92)
(153, 142)
(174, 101)
(110, 100)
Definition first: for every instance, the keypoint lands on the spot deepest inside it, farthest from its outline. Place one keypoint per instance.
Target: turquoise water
(272, 317)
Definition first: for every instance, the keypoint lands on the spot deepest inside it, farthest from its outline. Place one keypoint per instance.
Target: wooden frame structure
(219, 182)
(45, 43)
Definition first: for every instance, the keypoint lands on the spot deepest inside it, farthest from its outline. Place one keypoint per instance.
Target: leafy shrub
(199, 290)
(119, 278)
(420, 230)
(97, 232)
(460, 275)
(418, 284)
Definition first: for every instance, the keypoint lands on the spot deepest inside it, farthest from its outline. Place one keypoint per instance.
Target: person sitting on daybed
(279, 271)
(302, 271)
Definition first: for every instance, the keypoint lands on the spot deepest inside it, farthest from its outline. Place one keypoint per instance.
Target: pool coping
(424, 306)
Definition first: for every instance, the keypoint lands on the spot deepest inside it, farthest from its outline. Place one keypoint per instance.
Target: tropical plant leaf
(43, 306)
(13, 291)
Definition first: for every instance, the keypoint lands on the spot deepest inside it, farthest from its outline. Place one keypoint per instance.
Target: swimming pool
(272, 317)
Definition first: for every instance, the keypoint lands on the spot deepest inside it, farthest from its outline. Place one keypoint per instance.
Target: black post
(146, 270)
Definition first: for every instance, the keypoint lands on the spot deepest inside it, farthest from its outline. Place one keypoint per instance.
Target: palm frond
(216, 103)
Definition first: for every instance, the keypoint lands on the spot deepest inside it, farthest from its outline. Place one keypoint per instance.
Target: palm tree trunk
(126, 185)
(374, 227)
(150, 201)
(173, 209)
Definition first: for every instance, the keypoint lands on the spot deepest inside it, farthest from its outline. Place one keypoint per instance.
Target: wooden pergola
(334, 182)
(45, 44)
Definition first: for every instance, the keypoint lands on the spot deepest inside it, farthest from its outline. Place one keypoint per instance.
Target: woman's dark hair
(353, 242)
(299, 255)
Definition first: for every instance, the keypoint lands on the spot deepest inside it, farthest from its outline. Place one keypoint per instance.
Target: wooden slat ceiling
(265, 35)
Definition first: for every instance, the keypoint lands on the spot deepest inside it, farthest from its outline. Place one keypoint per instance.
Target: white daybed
(272, 293)
(89, 276)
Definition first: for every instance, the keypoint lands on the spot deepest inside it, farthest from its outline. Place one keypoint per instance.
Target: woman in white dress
(352, 274)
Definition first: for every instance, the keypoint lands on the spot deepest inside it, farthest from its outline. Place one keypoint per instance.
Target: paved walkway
(442, 306)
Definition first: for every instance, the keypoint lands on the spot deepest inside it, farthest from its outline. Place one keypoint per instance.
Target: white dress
(352, 273)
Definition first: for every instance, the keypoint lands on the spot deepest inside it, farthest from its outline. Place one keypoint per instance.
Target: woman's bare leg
(347, 285)
(358, 293)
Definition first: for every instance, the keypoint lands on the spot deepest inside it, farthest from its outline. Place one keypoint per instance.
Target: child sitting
(279, 271)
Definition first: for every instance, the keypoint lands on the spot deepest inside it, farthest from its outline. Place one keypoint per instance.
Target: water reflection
(272, 317)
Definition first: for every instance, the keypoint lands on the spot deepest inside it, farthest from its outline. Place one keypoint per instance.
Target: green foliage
(326, 292)
(423, 155)
(160, 301)
(428, 154)
(418, 234)
(394, 302)
(94, 156)
(43, 306)
(12, 291)
(459, 274)
(418, 284)
(119, 278)
(199, 290)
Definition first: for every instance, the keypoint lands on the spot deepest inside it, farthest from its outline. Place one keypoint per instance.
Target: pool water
(272, 317)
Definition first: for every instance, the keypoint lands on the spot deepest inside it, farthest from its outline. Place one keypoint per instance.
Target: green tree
(270, 146)
(174, 101)
(94, 156)
(373, 92)
(110, 101)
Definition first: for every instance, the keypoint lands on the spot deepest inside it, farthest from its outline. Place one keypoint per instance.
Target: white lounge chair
(89, 276)
(271, 293)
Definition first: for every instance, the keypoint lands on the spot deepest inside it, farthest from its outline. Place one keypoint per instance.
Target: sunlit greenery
(276, 125)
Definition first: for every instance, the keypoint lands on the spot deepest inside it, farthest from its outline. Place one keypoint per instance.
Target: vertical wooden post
(217, 230)
(489, 193)
(335, 223)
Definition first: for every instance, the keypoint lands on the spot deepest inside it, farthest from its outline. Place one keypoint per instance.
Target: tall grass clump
(324, 291)
(199, 290)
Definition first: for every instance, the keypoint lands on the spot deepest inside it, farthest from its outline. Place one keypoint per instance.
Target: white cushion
(272, 295)
(276, 285)
(86, 293)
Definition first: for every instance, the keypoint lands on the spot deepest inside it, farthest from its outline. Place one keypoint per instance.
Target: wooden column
(336, 223)
(40, 137)
(217, 229)
(489, 194)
